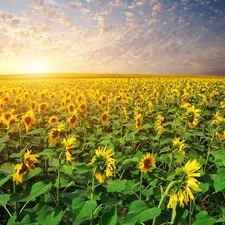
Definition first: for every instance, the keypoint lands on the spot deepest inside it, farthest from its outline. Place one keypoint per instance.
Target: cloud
(159, 7)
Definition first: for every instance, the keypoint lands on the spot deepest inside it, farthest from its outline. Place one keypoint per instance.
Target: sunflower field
(111, 151)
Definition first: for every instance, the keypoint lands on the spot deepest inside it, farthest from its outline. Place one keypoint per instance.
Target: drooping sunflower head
(177, 144)
(103, 163)
(146, 163)
(69, 146)
(30, 159)
(192, 116)
(185, 179)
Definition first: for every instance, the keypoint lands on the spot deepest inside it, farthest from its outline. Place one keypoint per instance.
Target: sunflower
(181, 191)
(82, 107)
(192, 116)
(42, 107)
(18, 101)
(13, 119)
(33, 105)
(158, 124)
(53, 119)
(54, 134)
(103, 163)
(105, 118)
(6, 99)
(28, 119)
(73, 121)
(6, 116)
(220, 129)
(179, 145)
(71, 108)
(22, 168)
(69, 145)
(138, 121)
(146, 163)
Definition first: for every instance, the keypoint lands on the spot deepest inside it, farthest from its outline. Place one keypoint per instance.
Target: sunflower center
(55, 134)
(27, 120)
(104, 117)
(73, 119)
(147, 163)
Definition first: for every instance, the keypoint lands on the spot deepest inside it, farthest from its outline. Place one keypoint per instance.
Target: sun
(36, 67)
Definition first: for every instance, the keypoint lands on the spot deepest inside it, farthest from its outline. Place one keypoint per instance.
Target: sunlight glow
(36, 67)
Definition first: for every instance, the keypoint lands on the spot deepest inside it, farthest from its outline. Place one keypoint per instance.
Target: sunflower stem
(164, 196)
(141, 179)
(58, 180)
(209, 151)
(16, 205)
(92, 193)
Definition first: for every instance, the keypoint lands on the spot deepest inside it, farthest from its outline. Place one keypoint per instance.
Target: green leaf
(48, 152)
(2, 146)
(116, 185)
(82, 209)
(4, 180)
(140, 212)
(221, 219)
(51, 217)
(4, 139)
(37, 189)
(34, 173)
(4, 199)
(110, 217)
(12, 220)
(219, 156)
(219, 181)
(37, 131)
(67, 169)
(203, 218)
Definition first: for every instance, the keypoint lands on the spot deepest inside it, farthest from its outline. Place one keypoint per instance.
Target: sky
(112, 36)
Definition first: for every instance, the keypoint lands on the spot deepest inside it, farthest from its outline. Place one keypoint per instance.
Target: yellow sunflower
(28, 119)
(138, 121)
(54, 134)
(53, 119)
(192, 116)
(181, 191)
(82, 107)
(103, 163)
(22, 168)
(73, 121)
(179, 145)
(158, 124)
(105, 118)
(146, 163)
(42, 107)
(71, 108)
(69, 145)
